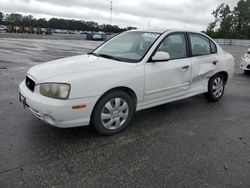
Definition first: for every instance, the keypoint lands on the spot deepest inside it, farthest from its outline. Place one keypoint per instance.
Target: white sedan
(133, 71)
(245, 62)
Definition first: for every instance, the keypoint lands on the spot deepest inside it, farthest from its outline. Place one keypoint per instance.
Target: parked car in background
(91, 35)
(245, 62)
(28, 30)
(3, 28)
(133, 71)
(99, 36)
(87, 35)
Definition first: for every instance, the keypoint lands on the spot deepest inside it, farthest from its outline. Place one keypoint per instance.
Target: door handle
(185, 68)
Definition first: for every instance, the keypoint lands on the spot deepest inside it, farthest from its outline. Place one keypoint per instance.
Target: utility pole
(111, 9)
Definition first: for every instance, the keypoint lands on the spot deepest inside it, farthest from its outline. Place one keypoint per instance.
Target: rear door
(203, 58)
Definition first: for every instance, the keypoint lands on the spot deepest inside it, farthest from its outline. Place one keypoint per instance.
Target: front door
(167, 80)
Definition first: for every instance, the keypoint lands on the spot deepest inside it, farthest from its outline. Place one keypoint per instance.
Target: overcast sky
(179, 14)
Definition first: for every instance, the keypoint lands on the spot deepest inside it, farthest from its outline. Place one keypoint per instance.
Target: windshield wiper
(104, 55)
(109, 56)
(93, 53)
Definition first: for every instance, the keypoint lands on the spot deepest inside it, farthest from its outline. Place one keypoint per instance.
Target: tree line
(56, 23)
(231, 23)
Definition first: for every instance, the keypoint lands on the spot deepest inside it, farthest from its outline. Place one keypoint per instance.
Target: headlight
(55, 90)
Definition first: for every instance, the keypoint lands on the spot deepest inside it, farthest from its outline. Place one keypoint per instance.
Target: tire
(117, 109)
(216, 87)
(247, 71)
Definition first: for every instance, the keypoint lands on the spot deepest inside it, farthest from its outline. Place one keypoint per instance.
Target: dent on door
(202, 68)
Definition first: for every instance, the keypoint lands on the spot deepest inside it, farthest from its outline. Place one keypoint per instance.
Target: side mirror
(160, 56)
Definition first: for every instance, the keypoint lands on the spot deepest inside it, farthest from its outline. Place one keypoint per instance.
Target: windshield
(129, 46)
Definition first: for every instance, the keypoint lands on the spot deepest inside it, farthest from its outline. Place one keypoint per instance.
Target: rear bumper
(58, 113)
(245, 64)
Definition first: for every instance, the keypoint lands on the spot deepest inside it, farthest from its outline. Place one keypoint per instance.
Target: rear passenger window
(200, 45)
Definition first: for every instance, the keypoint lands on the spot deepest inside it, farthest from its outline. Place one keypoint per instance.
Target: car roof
(164, 30)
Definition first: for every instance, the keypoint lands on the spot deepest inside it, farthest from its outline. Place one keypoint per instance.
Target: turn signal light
(81, 106)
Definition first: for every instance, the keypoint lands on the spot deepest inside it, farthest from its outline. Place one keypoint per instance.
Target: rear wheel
(113, 113)
(216, 86)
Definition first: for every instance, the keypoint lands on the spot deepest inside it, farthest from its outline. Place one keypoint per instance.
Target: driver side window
(174, 45)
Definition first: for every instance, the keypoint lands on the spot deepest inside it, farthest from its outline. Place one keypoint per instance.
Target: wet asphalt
(188, 143)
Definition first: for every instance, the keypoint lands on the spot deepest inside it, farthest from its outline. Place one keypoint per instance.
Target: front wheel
(247, 71)
(113, 113)
(216, 86)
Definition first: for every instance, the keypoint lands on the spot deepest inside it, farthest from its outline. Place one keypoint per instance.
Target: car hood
(73, 65)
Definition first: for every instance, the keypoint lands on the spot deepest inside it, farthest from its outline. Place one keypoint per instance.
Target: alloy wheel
(218, 87)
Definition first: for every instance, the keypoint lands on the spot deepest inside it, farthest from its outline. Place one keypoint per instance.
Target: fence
(233, 42)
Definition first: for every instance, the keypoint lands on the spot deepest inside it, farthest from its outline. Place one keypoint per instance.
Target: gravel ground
(188, 143)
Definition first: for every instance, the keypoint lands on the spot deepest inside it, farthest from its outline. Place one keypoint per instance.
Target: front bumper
(58, 113)
(245, 64)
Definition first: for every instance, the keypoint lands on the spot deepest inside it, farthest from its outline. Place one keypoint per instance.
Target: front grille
(30, 83)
